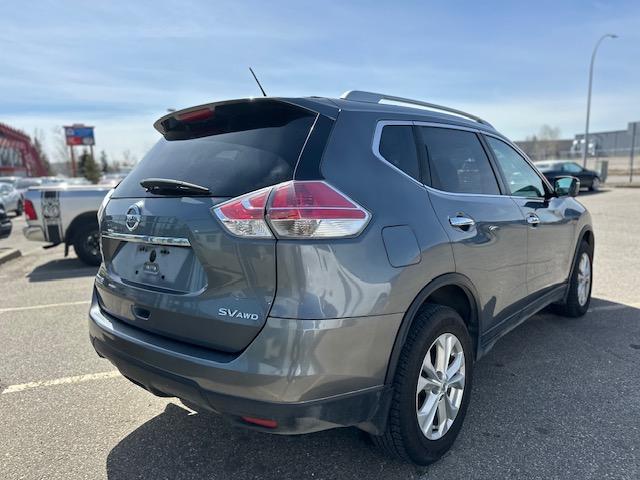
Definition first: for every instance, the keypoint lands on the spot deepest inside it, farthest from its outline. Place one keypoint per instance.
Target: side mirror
(566, 186)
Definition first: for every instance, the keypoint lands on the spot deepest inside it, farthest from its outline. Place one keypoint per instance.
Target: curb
(621, 185)
(7, 254)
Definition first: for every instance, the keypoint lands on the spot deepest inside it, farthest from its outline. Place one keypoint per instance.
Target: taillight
(294, 209)
(29, 210)
(244, 216)
(314, 209)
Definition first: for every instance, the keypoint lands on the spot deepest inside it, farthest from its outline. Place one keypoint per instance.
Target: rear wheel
(432, 387)
(86, 243)
(579, 294)
(595, 184)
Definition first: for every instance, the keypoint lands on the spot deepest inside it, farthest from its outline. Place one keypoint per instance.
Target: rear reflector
(314, 209)
(29, 210)
(294, 209)
(261, 421)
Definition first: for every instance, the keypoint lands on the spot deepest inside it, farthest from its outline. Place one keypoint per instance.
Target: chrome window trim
(149, 239)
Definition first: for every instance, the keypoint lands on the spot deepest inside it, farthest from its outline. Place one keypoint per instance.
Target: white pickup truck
(66, 214)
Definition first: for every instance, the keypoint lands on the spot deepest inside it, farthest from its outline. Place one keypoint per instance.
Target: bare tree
(39, 141)
(545, 144)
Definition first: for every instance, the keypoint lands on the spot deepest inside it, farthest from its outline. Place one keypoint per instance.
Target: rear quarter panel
(323, 279)
(63, 206)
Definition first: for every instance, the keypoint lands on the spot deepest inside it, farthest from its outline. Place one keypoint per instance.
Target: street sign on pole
(78, 134)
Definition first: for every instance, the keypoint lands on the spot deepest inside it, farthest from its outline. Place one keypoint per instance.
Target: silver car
(298, 264)
(10, 198)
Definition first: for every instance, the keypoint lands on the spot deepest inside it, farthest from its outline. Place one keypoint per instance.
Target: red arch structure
(18, 156)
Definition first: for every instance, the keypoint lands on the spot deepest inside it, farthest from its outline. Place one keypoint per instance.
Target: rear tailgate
(170, 267)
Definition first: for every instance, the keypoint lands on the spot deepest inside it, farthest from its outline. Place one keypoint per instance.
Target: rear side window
(457, 162)
(398, 147)
(242, 146)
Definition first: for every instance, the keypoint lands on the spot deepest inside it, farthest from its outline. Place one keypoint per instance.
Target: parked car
(10, 199)
(5, 224)
(559, 168)
(64, 214)
(298, 264)
(23, 184)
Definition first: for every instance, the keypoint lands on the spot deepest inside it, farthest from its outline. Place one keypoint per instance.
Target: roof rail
(370, 97)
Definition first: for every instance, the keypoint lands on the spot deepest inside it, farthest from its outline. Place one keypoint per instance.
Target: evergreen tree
(89, 168)
(104, 162)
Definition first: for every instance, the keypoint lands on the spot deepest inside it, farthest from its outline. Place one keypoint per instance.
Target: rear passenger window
(457, 162)
(398, 147)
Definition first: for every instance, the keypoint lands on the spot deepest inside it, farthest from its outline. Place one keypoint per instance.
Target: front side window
(521, 178)
(457, 162)
(398, 147)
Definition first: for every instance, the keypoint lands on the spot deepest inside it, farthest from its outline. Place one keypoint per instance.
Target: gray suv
(299, 264)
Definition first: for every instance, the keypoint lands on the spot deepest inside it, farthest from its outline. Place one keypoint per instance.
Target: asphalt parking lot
(556, 398)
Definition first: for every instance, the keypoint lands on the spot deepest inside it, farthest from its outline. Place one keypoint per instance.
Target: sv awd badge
(228, 312)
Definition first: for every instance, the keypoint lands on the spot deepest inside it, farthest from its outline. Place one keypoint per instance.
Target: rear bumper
(307, 375)
(34, 233)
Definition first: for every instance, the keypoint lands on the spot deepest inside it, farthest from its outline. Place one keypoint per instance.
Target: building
(18, 156)
(537, 149)
(616, 143)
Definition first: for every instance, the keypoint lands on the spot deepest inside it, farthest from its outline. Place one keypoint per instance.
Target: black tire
(19, 208)
(571, 307)
(86, 243)
(595, 185)
(403, 438)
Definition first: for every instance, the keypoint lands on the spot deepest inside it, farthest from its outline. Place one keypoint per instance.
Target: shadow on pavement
(531, 396)
(60, 269)
(177, 444)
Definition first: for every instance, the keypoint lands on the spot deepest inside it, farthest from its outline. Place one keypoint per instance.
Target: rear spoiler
(202, 120)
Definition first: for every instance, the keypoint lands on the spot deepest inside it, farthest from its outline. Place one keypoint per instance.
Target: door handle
(461, 222)
(533, 219)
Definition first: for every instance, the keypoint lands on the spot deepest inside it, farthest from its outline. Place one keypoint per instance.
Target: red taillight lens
(195, 115)
(298, 209)
(314, 209)
(29, 210)
(244, 216)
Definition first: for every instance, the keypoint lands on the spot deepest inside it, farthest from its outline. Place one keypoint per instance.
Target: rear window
(242, 147)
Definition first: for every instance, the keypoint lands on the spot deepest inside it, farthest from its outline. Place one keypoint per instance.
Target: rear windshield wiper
(167, 186)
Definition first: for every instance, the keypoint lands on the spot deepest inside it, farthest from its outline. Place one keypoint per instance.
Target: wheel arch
(586, 233)
(453, 290)
(80, 220)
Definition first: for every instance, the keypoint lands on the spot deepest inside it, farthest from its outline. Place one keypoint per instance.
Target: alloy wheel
(440, 386)
(584, 279)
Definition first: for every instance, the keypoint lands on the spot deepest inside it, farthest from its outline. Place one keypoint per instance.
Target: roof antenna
(257, 81)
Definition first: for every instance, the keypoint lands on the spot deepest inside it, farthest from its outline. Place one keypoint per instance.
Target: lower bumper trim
(365, 409)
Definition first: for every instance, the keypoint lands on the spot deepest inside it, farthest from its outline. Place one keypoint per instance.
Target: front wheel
(431, 389)
(579, 289)
(86, 244)
(595, 184)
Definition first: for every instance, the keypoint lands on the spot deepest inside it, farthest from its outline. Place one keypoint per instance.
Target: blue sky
(119, 64)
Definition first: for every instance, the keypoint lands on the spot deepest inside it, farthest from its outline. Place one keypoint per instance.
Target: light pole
(586, 130)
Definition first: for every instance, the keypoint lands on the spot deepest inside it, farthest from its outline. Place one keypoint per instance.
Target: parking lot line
(49, 305)
(60, 381)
